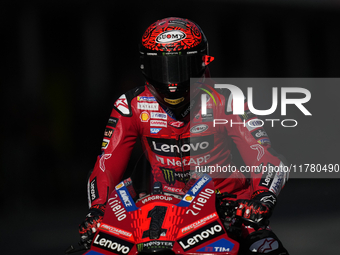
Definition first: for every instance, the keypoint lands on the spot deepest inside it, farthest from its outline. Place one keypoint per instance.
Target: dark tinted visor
(172, 69)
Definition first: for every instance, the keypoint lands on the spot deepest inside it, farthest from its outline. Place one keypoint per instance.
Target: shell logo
(188, 198)
(144, 116)
(119, 185)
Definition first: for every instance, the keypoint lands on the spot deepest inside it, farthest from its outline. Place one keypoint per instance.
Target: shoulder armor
(123, 103)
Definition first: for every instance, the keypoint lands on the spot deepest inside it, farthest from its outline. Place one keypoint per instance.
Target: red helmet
(172, 51)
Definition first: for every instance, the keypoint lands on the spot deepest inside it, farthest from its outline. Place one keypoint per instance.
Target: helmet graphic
(172, 51)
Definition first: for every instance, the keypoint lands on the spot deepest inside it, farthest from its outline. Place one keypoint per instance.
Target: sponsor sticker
(264, 141)
(125, 196)
(112, 244)
(93, 189)
(200, 236)
(158, 123)
(105, 143)
(198, 223)
(202, 196)
(200, 184)
(144, 116)
(154, 246)
(254, 124)
(147, 99)
(155, 130)
(156, 197)
(171, 176)
(185, 161)
(176, 124)
(259, 133)
(222, 245)
(247, 115)
(147, 106)
(277, 183)
(115, 230)
(199, 128)
(188, 198)
(117, 208)
(159, 115)
(172, 189)
(119, 185)
(112, 122)
(174, 101)
(108, 132)
(191, 146)
(267, 177)
(170, 36)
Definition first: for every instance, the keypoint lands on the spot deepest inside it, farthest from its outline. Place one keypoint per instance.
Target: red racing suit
(174, 147)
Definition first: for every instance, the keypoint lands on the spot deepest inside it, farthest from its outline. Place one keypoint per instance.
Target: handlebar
(71, 249)
(233, 221)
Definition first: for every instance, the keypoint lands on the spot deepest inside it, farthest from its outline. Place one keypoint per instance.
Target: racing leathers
(197, 142)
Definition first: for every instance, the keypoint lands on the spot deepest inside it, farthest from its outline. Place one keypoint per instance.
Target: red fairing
(160, 223)
(172, 154)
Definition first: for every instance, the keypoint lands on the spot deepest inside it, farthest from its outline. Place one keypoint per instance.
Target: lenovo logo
(112, 244)
(198, 237)
(185, 147)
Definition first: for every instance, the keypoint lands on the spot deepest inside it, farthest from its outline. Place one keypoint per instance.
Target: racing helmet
(172, 51)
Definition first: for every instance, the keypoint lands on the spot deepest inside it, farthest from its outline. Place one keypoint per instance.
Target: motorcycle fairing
(125, 196)
(221, 245)
(190, 226)
(194, 190)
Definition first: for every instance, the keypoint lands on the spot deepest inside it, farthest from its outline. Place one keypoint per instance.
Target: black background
(64, 62)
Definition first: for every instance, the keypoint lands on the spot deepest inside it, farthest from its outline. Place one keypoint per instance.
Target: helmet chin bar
(176, 99)
(179, 111)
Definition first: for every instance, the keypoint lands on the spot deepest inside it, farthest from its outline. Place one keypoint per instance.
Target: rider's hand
(90, 225)
(259, 208)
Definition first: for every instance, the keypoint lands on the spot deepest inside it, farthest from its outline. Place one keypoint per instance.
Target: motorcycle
(166, 223)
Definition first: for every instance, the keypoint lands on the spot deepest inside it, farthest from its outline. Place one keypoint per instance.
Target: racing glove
(88, 228)
(259, 208)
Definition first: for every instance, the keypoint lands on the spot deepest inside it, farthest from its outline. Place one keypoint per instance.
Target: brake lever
(225, 195)
(254, 224)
